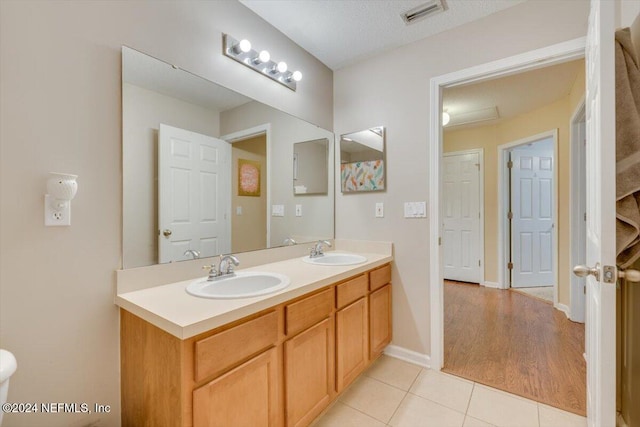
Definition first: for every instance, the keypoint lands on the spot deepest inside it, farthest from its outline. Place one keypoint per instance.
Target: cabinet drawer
(217, 353)
(350, 291)
(309, 311)
(379, 277)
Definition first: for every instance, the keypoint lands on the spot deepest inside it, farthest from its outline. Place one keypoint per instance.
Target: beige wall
(60, 110)
(317, 220)
(556, 115)
(392, 89)
(249, 230)
(143, 111)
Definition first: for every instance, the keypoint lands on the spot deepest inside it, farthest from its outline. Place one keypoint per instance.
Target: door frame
(246, 134)
(504, 241)
(577, 226)
(550, 55)
(480, 153)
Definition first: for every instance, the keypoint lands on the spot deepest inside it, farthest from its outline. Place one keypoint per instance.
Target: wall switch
(238, 210)
(379, 210)
(277, 210)
(298, 210)
(415, 209)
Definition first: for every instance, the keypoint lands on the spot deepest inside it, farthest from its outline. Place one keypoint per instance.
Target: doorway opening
(515, 145)
(254, 146)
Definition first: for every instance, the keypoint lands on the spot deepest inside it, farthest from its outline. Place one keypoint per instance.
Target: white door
(194, 174)
(532, 243)
(461, 201)
(601, 229)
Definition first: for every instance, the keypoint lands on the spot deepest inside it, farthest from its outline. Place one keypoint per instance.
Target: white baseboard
(495, 285)
(563, 308)
(408, 355)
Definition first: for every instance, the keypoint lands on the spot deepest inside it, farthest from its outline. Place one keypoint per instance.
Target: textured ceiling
(513, 95)
(342, 32)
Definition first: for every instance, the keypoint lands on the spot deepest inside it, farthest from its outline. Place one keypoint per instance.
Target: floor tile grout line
(437, 403)
(466, 411)
(390, 385)
(368, 415)
(398, 407)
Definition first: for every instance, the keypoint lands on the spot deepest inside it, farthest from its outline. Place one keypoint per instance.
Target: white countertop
(170, 308)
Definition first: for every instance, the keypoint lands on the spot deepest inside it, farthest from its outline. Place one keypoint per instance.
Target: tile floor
(396, 393)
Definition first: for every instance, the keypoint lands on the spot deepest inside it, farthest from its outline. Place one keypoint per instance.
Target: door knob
(584, 271)
(166, 232)
(629, 275)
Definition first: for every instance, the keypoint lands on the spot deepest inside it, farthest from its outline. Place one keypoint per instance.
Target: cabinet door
(351, 342)
(379, 320)
(309, 373)
(244, 397)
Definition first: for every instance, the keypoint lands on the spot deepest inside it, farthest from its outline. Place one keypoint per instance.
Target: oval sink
(241, 285)
(333, 258)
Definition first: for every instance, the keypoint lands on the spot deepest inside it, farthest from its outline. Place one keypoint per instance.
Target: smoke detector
(424, 10)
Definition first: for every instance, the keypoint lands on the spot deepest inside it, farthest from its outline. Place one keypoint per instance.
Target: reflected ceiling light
(446, 118)
(262, 63)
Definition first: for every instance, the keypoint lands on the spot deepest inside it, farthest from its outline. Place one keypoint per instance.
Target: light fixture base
(248, 60)
(56, 217)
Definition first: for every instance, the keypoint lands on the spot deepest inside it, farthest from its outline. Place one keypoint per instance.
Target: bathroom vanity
(269, 361)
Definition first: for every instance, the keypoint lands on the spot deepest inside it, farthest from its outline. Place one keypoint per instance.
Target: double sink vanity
(209, 171)
(244, 354)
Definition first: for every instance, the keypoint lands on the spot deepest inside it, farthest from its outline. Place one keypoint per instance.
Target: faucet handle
(213, 273)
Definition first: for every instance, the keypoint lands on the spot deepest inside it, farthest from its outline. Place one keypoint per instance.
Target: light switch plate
(277, 210)
(238, 210)
(379, 210)
(298, 210)
(415, 209)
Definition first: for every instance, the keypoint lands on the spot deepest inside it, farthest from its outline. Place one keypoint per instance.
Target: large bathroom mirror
(362, 161)
(311, 167)
(208, 171)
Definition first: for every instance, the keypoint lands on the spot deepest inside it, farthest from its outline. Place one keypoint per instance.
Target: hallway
(515, 343)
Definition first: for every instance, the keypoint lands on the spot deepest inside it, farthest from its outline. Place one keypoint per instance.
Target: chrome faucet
(224, 269)
(192, 252)
(289, 241)
(226, 264)
(317, 250)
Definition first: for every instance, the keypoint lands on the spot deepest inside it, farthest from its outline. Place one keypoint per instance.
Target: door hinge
(509, 215)
(510, 266)
(585, 216)
(479, 265)
(510, 164)
(439, 241)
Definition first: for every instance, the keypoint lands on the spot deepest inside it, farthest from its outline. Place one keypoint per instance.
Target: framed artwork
(248, 178)
(362, 176)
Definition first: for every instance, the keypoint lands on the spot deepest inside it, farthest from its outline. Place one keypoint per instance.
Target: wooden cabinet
(247, 396)
(309, 373)
(351, 342)
(380, 331)
(279, 367)
(351, 329)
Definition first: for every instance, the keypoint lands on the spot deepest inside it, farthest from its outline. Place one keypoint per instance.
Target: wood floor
(516, 343)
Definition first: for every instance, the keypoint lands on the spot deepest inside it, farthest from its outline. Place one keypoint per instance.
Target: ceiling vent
(430, 8)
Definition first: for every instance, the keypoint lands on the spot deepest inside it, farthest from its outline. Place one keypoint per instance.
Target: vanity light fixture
(61, 189)
(261, 62)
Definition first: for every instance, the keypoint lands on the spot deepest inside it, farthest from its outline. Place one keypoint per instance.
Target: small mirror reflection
(362, 160)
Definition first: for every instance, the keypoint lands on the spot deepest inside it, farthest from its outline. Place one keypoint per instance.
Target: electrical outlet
(379, 210)
(298, 210)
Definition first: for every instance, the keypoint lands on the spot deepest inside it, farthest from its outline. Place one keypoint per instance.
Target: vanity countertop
(170, 308)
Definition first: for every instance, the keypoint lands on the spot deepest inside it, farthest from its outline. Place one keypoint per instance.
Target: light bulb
(264, 56)
(297, 76)
(445, 118)
(282, 66)
(245, 45)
